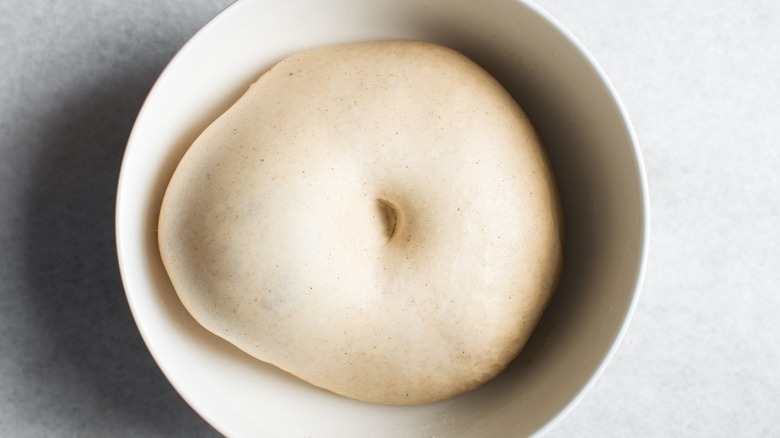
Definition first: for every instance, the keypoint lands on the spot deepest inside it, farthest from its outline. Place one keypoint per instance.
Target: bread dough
(376, 218)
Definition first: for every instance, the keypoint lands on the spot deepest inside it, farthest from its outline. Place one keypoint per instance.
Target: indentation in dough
(388, 215)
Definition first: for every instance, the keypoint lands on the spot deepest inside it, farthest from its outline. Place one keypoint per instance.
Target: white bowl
(592, 149)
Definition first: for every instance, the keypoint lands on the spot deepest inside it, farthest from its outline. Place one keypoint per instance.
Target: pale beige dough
(378, 219)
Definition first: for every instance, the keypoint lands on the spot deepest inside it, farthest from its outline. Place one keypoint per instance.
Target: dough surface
(378, 219)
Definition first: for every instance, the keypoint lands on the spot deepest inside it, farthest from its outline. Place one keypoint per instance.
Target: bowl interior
(591, 148)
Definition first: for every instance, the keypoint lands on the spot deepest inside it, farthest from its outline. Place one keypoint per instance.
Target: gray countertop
(699, 80)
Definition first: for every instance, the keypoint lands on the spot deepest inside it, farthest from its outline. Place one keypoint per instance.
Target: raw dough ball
(378, 219)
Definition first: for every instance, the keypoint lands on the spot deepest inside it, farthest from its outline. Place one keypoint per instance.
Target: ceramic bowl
(592, 149)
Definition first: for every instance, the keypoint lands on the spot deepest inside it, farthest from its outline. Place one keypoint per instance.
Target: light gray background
(701, 81)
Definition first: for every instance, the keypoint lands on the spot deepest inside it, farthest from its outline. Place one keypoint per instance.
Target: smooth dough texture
(378, 219)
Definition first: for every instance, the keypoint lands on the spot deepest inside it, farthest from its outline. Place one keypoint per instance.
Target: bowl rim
(215, 420)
